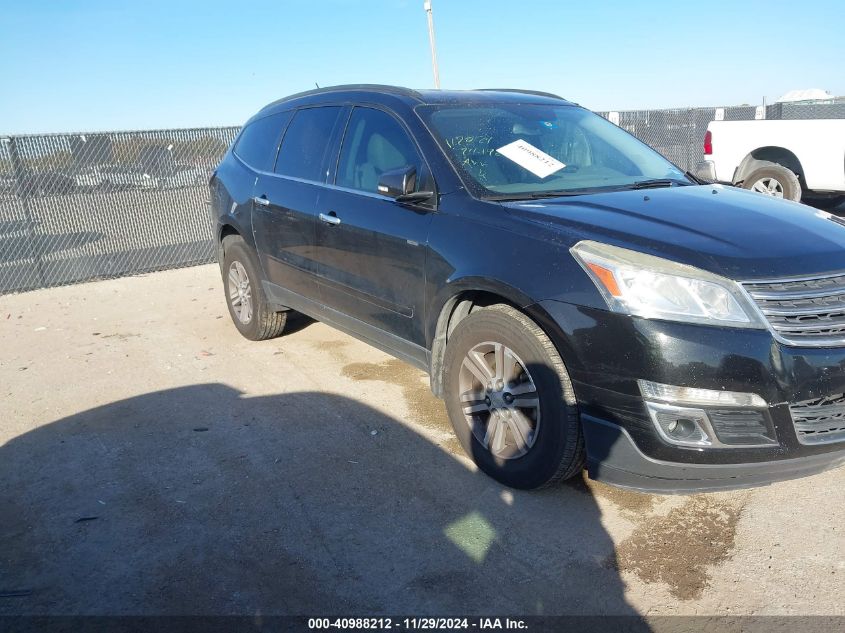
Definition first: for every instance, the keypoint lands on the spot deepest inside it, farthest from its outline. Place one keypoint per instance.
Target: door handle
(264, 202)
(331, 218)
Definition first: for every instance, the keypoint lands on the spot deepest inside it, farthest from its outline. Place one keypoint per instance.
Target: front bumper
(606, 353)
(614, 458)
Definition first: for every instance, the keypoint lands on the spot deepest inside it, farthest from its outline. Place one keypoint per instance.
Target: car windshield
(526, 150)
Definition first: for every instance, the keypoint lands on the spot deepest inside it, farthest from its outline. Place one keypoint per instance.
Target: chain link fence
(77, 207)
(678, 133)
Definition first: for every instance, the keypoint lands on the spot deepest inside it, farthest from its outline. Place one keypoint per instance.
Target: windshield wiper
(658, 183)
(655, 183)
(536, 195)
(695, 179)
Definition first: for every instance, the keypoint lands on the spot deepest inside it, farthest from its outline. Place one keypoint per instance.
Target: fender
(455, 287)
(227, 225)
(448, 300)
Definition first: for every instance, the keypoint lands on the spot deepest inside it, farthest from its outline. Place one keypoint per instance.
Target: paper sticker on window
(534, 160)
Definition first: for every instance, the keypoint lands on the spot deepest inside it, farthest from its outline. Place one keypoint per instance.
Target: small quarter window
(259, 141)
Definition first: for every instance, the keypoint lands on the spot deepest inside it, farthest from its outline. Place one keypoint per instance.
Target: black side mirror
(400, 184)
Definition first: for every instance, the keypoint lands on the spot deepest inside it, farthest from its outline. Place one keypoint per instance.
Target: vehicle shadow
(297, 321)
(201, 500)
(14, 247)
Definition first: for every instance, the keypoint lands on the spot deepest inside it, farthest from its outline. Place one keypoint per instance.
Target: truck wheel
(774, 180)
(245, 298)
(510, 400)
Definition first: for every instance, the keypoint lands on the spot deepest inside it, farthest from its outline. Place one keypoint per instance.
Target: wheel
(827, 202)
(510, 400)
(774, 180)
(245, 298)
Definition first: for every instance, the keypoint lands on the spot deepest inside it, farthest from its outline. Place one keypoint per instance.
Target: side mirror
(400, 184)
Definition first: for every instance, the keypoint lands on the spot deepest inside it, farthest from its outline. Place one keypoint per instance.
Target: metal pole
(427, 7)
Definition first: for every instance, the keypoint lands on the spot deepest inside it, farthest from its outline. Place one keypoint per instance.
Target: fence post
(23, 192)
(691, 135)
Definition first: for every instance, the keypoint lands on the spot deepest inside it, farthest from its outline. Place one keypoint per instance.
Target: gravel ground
(154, 462)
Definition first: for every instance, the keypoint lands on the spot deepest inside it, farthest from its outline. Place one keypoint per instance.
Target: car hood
(731, 232)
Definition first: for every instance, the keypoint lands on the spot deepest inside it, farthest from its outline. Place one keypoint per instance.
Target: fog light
(680, 425)
(743, 423)
(694, 395)
(682, 428)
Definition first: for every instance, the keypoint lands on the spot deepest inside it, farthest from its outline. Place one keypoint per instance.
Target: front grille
(821, 420)
(806, 312)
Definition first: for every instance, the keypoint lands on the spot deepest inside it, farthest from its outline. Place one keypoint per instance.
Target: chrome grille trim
(820, 420)
(801, 294)
(802, 311)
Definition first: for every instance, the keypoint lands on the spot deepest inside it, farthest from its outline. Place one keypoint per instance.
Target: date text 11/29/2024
(429, 624)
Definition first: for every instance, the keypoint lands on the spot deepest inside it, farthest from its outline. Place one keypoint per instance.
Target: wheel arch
(772, 154)
(224, 230)
(471, 294)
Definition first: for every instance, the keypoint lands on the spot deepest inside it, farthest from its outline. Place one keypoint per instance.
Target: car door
(371, 249)
(285, 205)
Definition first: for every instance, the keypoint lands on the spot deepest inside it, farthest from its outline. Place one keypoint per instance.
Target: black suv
(573, 295)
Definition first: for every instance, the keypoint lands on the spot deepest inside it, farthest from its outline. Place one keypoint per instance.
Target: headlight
(652, 287)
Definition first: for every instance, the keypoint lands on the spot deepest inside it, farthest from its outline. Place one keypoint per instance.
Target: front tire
(774, 180)
(248, 306)
(510, 399)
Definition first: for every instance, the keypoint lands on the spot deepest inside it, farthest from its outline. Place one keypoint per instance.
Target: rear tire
(248, 306)
(542, 442)
(774, 180)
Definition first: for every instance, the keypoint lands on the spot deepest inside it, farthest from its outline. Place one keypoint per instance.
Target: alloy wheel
(768, 186)
(499, 400)
(240, 292)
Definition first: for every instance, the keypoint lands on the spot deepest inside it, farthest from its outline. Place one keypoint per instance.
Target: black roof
(413, 97)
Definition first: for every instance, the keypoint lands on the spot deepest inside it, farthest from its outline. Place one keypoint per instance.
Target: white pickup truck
(788, 159)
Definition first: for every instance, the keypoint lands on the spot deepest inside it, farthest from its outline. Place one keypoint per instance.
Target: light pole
(427, 7)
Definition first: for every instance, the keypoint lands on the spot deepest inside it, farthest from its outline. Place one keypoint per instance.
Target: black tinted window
(260, 139)
(374, 143)
(304, 147)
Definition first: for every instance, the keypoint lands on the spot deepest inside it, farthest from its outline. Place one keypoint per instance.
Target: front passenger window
(374, 143)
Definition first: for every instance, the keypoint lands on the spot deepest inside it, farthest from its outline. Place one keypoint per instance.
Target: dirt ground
(152, 461)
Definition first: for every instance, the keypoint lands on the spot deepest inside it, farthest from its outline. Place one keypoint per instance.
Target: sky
(89, 65)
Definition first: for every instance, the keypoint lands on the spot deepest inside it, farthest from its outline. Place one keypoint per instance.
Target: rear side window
(303, 151)
(260, 139)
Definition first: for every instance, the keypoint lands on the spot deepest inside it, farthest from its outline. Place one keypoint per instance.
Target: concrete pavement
(154, 462)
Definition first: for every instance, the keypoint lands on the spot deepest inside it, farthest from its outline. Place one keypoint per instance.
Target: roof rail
(397, 90)
(537, 93)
